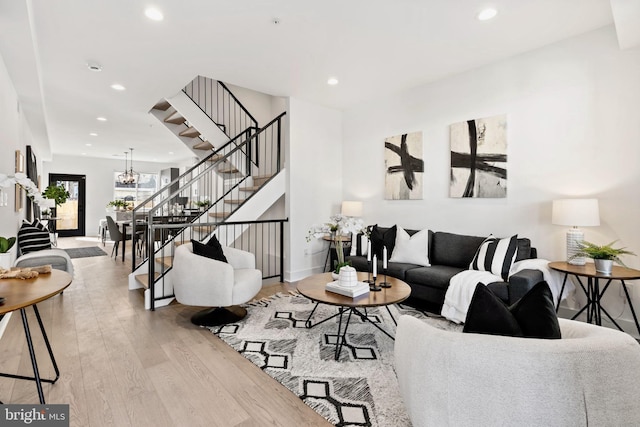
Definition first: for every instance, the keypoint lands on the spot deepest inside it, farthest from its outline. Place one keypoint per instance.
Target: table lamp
(575, 213)
(352, 208)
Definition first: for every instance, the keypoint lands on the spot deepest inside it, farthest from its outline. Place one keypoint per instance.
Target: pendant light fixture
(128, 176)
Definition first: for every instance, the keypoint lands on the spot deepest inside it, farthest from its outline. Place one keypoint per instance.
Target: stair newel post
(150, 260)
(278, 146)
(249, 155)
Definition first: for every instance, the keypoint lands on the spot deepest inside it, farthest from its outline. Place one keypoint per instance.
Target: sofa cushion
(207, 251)
(524, 249)
(216, 248)
(455, 250)
(436, 276)
(381, 237)
(487, 314)
(533, 316)
(411, 249)
(496, 256)
(32, 239)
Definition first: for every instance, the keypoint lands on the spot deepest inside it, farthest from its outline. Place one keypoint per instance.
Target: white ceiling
(374, 48)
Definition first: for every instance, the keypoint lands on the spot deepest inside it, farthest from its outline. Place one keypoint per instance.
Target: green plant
(6, 244)
(593, 251)
(57, 193)
(203, 203)
(117, 204)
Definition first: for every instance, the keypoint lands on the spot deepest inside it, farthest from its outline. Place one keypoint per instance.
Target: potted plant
(5, 245)
(603, 256)
(338, 226)
(57, 193)
(118, 205)
(203, 204)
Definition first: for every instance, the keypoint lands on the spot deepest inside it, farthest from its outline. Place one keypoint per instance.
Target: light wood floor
(124, 366)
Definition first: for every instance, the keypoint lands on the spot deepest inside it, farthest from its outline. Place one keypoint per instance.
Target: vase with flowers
(337, 228)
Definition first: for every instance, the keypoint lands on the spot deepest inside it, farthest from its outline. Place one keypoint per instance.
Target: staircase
(237, 179)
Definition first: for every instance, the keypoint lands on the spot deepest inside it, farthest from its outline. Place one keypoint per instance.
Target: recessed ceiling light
(84, 154)
(170, 152)
(332, 81)
(153, 14)
(117, 86)
(94, 66)
(93, 134)
(101, 119)
(487, 14)
(88, 145)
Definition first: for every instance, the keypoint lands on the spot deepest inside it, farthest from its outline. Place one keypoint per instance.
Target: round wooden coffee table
(313, 287)
(20, 294)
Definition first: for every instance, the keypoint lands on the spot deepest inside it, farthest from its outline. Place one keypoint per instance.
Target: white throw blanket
(463, 285)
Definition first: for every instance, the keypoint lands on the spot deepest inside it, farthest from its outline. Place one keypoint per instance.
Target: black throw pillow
(32, 239)
(536, 313)
(208, 251)
(487, 314)
(533, 316)
(381, 238)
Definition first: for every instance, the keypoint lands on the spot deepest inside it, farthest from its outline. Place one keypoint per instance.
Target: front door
(71, 214)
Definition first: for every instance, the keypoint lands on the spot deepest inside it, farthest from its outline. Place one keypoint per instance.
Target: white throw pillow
(411, 249)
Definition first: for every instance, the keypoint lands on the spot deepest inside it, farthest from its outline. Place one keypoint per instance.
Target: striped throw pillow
(496, 256)
(31, 239)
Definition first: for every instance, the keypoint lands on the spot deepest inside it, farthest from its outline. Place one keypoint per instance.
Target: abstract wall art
(404, 167)
(479, 158)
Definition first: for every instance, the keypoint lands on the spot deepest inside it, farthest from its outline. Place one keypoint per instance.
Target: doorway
(70, 216)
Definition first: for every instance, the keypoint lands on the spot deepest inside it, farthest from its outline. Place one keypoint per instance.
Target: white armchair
(202, 281)
(448, 378)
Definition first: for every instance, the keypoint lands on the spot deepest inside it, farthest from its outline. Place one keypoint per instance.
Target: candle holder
(369, 270)
(373, 287)
(384, 283)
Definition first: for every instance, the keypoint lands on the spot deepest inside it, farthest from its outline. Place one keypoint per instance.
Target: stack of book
(360, 288)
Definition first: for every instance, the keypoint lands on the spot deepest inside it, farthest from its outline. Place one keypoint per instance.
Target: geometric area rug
(360, 389)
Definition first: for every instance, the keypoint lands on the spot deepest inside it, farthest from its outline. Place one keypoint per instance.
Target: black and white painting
(479, 158)
(404, 167)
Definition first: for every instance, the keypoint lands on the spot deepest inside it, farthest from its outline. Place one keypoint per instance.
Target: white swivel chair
(448, 378)
(201, 281)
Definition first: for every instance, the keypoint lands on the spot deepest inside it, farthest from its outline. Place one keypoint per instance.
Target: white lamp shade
(352, 208)
(575, 212)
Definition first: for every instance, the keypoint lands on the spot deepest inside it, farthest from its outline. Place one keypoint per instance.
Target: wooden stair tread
(175, 118)
(234, 201)
(167, 261)
(190, 132)
(204, 145)
(252, 188)
(203, 227)
(228, 169)
(143, 279)
(163, 105)
(218, 214)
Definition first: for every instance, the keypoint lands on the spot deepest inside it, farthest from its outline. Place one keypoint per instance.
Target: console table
(592, 290)
(20, 294)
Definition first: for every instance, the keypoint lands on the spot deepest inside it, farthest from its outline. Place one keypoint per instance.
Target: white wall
(314, 164)
(14, 135)
(99, 181)
(262, 107)
(573, 115)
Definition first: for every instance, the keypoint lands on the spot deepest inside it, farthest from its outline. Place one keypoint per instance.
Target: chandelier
(128, 176)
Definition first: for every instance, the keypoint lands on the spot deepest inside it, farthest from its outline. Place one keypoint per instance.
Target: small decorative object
(575, 213)
(479, 157)
(404, 167)
(203, 204)
(338, 226)
(603, 256)
(372, 286)
(384, 283)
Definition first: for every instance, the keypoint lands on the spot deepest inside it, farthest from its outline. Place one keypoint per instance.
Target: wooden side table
(330, 258)
(592, 290)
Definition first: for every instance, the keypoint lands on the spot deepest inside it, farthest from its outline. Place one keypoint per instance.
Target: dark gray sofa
(449, 254)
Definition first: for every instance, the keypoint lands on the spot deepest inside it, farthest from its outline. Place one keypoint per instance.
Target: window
(138, 192)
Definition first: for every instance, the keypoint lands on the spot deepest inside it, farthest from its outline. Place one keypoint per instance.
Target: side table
(332, 256)
(592, 290)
